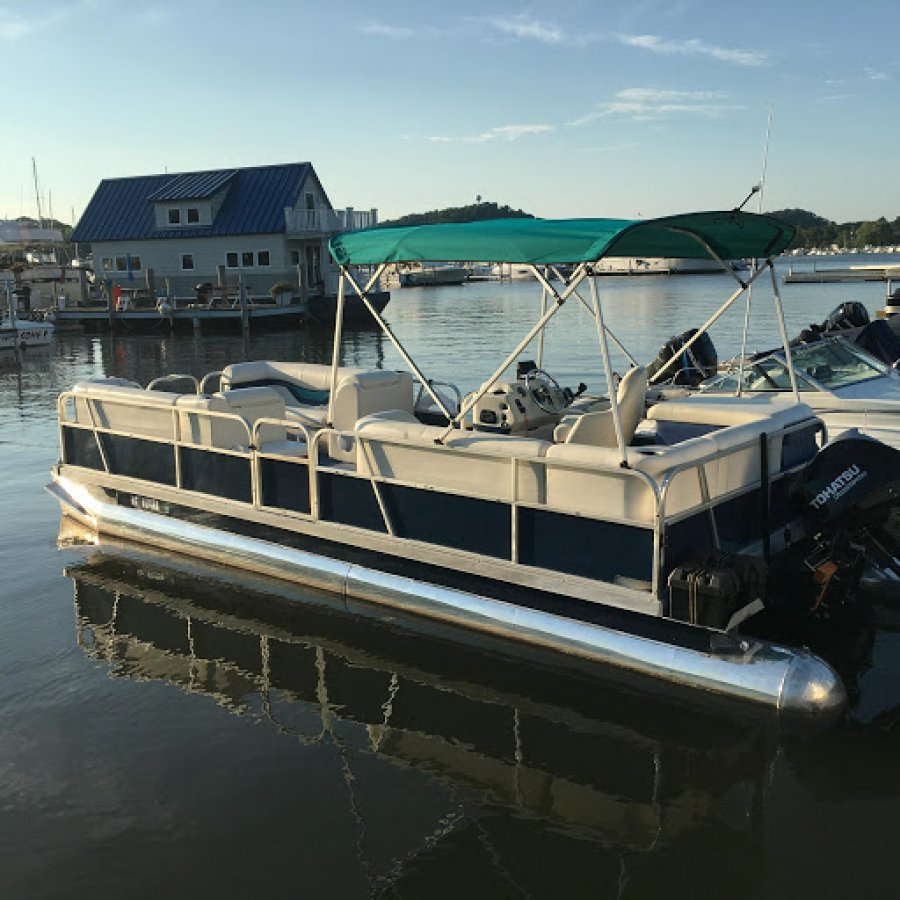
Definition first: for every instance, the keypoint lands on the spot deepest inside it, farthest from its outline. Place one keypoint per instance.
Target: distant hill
(475, 212)
(800, 218)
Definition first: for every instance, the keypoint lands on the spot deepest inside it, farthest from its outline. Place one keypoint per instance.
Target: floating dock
(848, 273)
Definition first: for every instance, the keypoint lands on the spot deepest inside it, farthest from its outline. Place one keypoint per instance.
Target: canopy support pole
(743, 357)
(540, 353)
(336, 348)
(707, 324)
(607, 368)
(469, 403)
(725, 266)
(779, 311)
(616, 341)
(363, 295)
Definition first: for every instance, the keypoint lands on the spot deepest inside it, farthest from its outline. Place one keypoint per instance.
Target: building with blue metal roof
(253, 226)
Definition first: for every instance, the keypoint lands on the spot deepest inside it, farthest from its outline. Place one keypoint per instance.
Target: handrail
(202, 389)
(174, 376)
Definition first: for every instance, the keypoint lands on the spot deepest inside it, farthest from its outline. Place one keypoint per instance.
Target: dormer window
(174, 216)
(193, 215)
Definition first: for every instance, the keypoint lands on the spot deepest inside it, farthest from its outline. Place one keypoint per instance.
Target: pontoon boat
(526, 510)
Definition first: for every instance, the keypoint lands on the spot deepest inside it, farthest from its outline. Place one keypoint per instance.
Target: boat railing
(207, 380)
(98, 408)
(760, 442)
(229, 434)
(173, 377)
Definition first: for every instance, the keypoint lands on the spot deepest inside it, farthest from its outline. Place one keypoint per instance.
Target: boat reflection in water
(505, 759)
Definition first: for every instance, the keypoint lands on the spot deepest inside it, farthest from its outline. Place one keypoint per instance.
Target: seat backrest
(598, 428)
(396, 445)
(362, 394)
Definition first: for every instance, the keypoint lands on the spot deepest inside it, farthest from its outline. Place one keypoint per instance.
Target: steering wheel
(546, 392)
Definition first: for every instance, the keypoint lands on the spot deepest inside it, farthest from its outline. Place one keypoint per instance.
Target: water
(218, 735)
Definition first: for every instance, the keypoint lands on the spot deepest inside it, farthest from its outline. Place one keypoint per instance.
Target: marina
(473, 772)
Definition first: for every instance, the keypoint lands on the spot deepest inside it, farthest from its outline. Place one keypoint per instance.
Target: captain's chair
(597, 428)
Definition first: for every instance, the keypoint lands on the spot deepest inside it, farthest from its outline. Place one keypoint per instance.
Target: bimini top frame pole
(362, 293)
(560, 299)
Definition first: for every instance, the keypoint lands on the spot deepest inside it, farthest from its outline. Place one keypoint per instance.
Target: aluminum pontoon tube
(794, 682)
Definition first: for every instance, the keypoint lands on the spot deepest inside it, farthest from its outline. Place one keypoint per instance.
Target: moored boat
(529, 511)
(432, 274)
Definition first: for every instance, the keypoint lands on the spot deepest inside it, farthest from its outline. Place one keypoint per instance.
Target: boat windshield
(829, 365)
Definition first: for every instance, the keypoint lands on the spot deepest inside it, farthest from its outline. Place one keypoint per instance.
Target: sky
(565, 108)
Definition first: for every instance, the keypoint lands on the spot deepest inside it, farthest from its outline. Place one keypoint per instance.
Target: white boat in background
(843, 384)
(432, 274)
(662, 265)
(26, 333)
(16, 332)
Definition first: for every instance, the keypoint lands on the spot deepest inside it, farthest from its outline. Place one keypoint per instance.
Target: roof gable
(122, 209)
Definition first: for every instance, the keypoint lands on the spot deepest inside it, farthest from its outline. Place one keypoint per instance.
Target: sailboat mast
(37, 193)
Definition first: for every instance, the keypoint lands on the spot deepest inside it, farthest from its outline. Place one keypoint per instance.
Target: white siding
(164, 257)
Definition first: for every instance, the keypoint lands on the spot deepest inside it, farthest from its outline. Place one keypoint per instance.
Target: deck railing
(328, 221)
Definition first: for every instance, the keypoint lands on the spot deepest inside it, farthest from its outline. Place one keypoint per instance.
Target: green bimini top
(731, 234)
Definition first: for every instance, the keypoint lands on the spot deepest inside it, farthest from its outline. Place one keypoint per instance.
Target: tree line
(816, 232)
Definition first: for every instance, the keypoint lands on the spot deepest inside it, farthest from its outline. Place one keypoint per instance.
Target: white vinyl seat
(597, 428)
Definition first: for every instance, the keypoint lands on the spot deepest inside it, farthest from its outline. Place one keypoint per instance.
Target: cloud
(382, 29)
(524, 27)
(874, 75)
(500, 133)
(644, 103)
(16, 26)
(611, 148)
(693, 47)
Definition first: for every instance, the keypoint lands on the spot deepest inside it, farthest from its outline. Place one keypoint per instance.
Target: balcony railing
(328, 221)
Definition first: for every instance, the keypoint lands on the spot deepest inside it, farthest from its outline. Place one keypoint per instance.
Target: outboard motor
(697, 363)
(848, 315)
(846, 497)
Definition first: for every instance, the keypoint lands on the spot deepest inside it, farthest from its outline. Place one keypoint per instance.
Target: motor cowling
(853, 480)
(699, 362)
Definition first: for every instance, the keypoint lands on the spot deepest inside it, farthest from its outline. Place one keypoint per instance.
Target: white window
(262, 258)
(174, 216)
(187, 262)
(107, 264)
(247, 260)
(231, 260)
(193, 215)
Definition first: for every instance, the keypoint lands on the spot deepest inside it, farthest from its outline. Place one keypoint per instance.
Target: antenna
(765, 165)
(754, 190)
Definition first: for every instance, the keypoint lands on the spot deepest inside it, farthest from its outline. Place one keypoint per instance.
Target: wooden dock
(202, 318)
